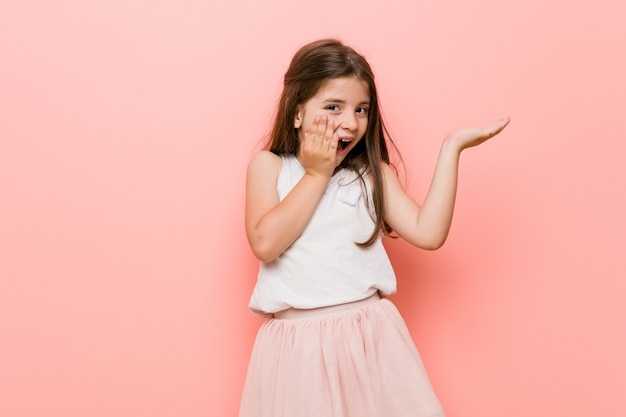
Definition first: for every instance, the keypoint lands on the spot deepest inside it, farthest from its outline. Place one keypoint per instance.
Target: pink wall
(125, 129)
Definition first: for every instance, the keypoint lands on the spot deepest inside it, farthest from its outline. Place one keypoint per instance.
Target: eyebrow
(337, 100)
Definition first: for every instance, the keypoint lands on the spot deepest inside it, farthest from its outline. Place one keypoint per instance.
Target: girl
(318, 202)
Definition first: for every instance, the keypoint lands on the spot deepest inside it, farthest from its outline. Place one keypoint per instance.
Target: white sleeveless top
(324, 266)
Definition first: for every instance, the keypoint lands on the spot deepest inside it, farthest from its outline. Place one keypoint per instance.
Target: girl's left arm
(427, 226)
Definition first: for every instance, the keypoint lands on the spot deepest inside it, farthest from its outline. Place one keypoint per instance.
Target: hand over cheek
(318, 148)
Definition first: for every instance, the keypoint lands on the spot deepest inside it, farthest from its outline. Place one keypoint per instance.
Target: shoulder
(391, 183)
(389, 174)
(266, 158)
(388, 169)
(265, 162)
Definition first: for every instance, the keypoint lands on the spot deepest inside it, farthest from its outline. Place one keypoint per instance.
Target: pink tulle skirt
(359, 362)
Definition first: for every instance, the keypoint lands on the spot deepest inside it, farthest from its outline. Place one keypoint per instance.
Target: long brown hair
(313, 65)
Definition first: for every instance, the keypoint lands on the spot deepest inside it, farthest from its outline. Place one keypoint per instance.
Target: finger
(333, 137)
(334, 143)
(312, 131)
(499, 125)
(330, 130)
(494, 129)
(320, 131)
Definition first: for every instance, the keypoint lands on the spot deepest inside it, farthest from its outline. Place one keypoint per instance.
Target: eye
(362, 110)
(333, 107)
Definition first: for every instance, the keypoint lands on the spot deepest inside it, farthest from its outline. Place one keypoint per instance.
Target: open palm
(469, 137)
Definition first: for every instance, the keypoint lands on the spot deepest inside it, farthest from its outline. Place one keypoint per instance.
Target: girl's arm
(273, 225)
(427, 226)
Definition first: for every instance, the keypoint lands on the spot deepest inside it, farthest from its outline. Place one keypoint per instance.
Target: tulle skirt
(359, 362)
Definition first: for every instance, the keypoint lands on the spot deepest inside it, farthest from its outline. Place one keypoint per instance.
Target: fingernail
(317, 118)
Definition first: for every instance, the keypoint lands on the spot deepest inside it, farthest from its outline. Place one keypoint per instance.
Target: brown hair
(313, 65)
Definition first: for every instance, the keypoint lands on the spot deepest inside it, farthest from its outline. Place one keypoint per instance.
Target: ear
(297, 121)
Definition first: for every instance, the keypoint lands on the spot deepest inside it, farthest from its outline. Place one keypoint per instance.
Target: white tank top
(324, 266)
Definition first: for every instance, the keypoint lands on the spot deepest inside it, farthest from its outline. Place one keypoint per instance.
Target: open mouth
(343, 144)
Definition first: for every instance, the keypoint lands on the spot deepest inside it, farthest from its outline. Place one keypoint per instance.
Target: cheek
(363, 126)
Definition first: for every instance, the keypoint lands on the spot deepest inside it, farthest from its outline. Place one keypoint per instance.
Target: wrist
(317, 176)
(451, 145)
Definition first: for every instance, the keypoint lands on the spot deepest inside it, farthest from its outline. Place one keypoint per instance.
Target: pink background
(125, 130)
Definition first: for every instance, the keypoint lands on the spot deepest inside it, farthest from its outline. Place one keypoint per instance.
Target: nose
(348, 121)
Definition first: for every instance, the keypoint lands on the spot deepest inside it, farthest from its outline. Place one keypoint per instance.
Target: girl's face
(344, 100)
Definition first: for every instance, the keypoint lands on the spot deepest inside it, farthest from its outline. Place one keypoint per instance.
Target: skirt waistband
(297, 313)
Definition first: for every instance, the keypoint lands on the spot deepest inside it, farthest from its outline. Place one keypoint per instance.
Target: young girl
(318, 202)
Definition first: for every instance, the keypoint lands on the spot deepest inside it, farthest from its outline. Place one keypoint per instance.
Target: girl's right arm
(273, 225)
